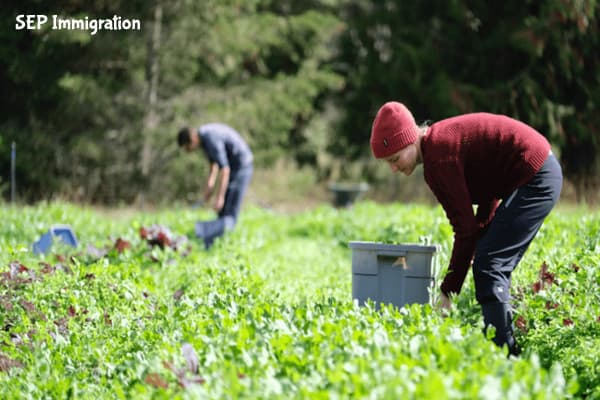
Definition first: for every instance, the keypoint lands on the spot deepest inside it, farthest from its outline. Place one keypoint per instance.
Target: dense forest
(94, 116)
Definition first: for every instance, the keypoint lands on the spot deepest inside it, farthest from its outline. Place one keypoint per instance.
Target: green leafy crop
(268, 311)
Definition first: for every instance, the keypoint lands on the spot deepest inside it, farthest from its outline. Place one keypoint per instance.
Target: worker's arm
(210, 183)
(223, 184)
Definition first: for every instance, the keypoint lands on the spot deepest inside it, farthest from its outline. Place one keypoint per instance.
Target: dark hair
(183, 137)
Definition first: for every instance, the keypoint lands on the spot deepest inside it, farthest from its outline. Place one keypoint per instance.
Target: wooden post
(13, 179)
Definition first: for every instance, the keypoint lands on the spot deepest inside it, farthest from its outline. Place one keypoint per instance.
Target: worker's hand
(207, 194)
(219, 202)
(444, 304)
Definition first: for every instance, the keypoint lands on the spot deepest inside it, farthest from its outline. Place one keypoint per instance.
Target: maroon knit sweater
(477, 159)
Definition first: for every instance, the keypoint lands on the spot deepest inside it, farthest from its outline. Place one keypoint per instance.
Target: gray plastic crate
(388, 273)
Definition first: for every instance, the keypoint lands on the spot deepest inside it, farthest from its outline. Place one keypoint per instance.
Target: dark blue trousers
(227, 217)
(515, 224)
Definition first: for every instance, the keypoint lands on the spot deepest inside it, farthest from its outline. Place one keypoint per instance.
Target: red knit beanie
(394, 128)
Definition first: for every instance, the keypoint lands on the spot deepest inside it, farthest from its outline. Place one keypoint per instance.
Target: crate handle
(392, 253)
(400, 259)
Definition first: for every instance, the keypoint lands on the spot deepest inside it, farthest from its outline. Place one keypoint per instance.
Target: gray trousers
(227, 218)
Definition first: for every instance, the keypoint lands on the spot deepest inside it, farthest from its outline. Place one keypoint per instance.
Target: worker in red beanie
(503, 166)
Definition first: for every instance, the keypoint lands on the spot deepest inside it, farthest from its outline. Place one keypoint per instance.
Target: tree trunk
(151, 118)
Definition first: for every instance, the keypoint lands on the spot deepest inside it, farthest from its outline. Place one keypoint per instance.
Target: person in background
(503, 166)
(230, 160)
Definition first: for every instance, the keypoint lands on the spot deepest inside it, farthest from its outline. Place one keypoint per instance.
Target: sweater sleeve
(447, 182)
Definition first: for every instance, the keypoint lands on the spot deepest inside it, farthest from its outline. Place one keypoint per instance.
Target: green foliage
(536, 61)
(268, 311)
(300, 80)
(266, 78)
(83, 100)
(563, 318)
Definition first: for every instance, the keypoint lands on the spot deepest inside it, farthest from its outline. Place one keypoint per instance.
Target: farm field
(268, 312)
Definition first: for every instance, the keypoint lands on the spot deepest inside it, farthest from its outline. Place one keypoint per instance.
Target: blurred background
(93, 118)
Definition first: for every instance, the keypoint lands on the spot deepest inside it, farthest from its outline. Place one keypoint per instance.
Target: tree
(533, 60)
(101, 111)
(561, 93)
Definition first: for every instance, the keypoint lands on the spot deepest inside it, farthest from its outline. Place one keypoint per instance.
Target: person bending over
(503, 166)
(230, 160)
